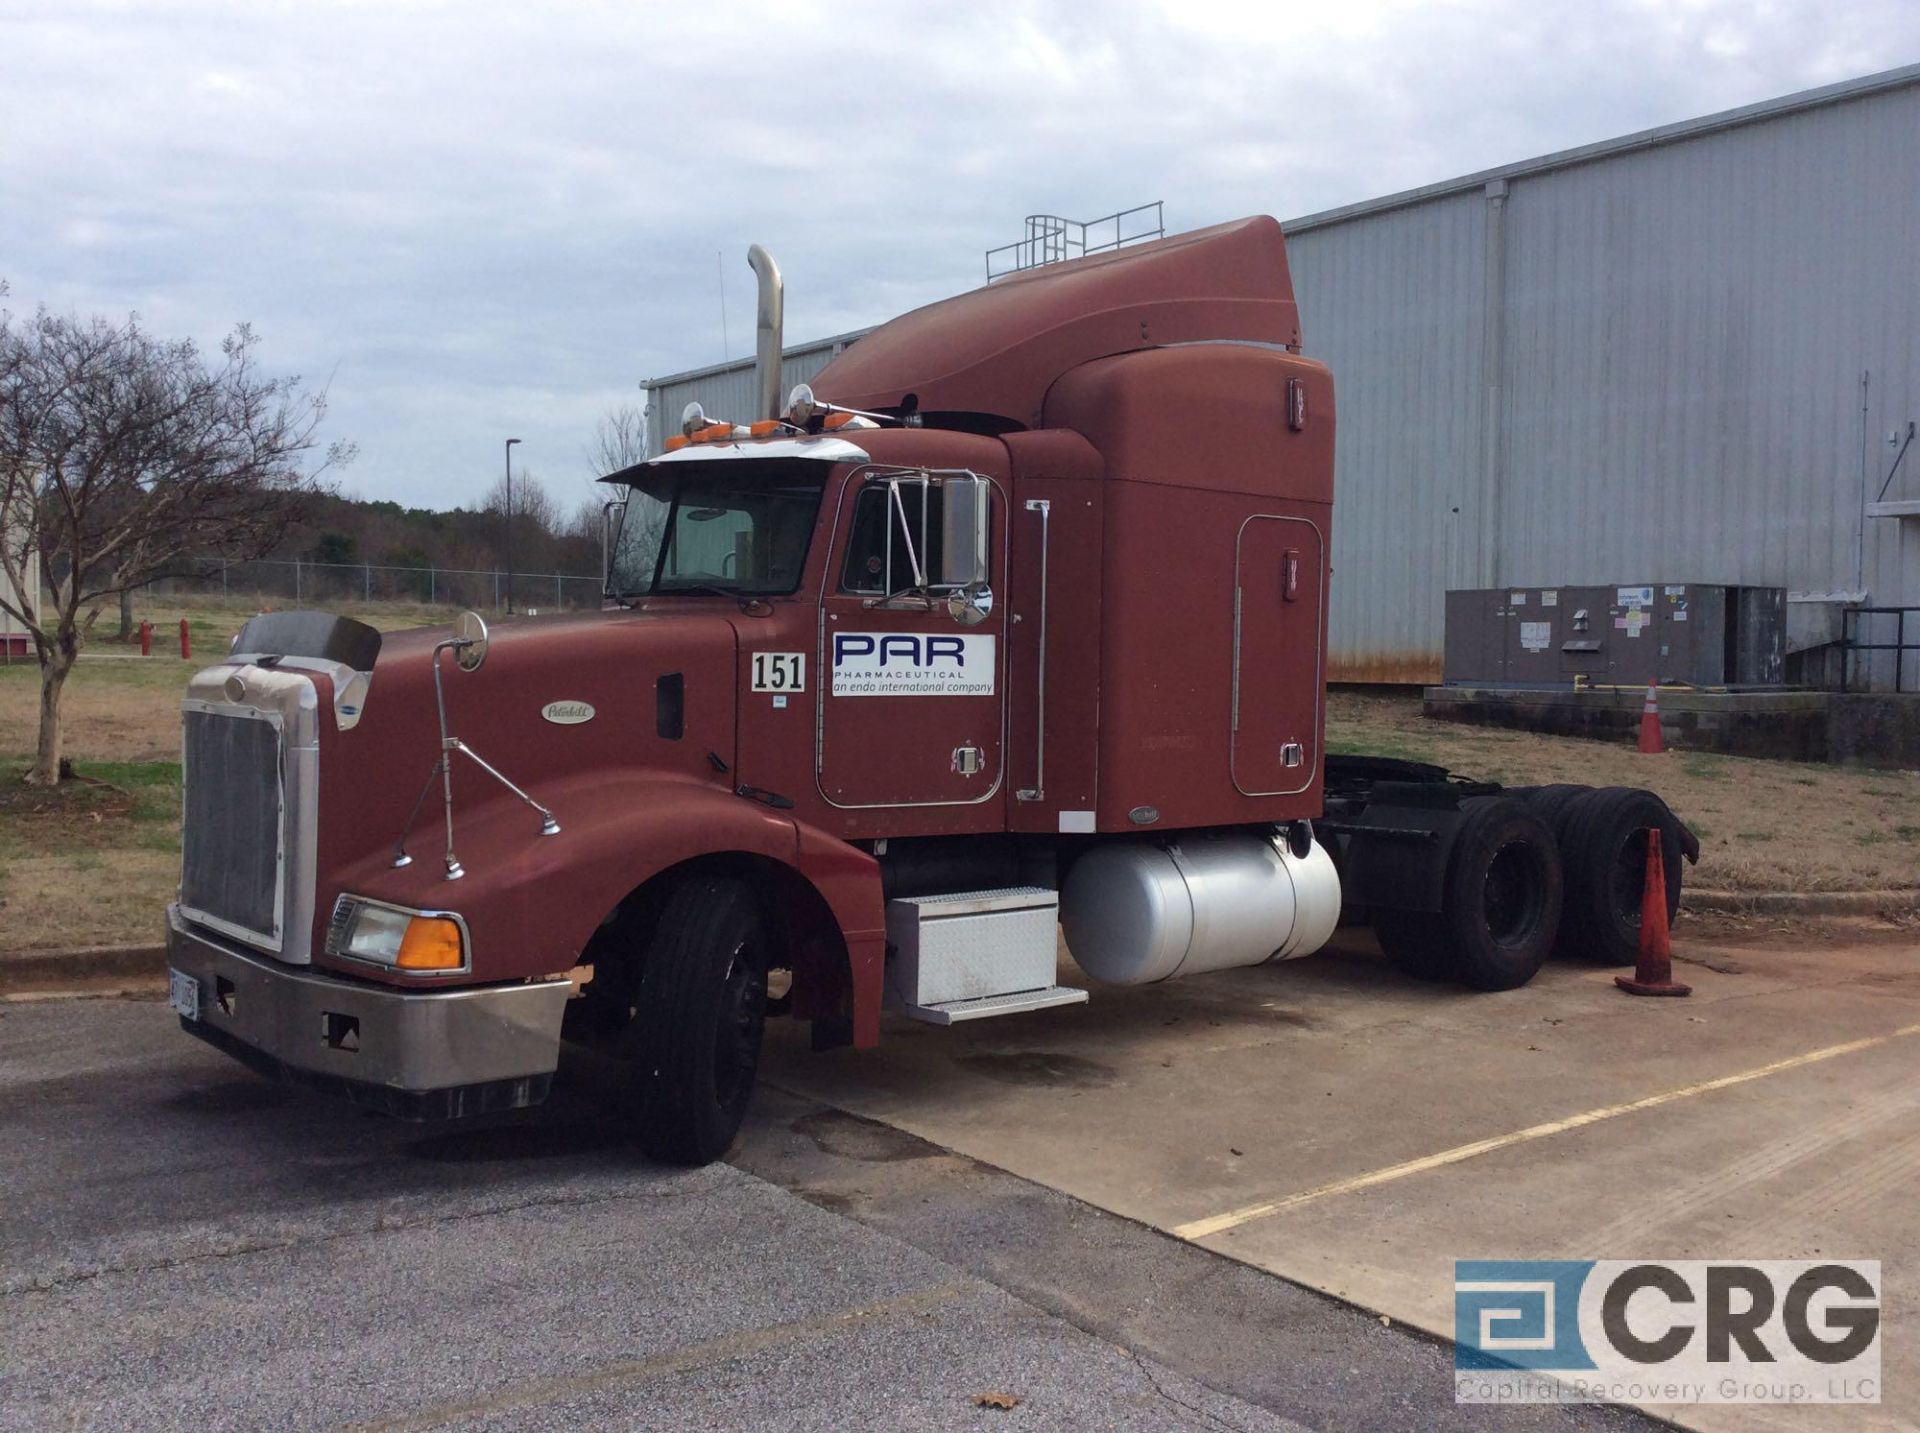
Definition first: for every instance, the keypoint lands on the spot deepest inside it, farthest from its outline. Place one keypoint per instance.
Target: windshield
(742, 531)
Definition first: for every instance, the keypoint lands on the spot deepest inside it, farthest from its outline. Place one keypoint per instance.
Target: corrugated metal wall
(1684, 331)
(1395, 305)
(1679, 331)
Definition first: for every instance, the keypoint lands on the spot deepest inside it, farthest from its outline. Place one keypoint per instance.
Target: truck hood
(557, 701)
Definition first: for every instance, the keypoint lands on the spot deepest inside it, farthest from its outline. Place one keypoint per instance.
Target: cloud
(485, 219)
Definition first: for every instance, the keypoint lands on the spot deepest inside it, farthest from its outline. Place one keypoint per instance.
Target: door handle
(1038, 791)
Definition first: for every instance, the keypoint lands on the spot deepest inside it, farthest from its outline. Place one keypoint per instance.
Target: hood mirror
(470, 641)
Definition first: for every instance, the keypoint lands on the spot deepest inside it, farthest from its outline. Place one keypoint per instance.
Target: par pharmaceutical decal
(911, 664)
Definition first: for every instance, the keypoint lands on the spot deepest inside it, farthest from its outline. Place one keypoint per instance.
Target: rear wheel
(698, 1019)
(1500, 902)
(1502, 896)
(1605, 845)
(1552, 804)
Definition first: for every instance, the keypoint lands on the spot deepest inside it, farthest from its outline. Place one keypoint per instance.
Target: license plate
(183, 994)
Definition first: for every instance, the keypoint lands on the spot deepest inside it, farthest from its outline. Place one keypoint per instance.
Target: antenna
(720, 268)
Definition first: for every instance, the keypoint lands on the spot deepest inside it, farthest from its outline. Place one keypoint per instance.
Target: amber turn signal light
(431, 943)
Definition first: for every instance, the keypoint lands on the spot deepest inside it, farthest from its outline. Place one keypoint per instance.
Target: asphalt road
(184, 1244)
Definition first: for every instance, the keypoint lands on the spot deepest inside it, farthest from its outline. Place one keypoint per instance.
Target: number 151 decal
(779, 671)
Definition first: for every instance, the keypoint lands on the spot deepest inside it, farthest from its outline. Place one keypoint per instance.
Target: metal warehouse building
(1686, 355)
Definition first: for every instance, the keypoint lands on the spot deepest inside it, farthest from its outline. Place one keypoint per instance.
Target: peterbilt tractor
(1012, 624)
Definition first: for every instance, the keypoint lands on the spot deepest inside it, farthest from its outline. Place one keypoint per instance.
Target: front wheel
(699, 1016)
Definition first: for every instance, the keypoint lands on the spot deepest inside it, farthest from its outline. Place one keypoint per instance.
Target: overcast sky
(476, 220)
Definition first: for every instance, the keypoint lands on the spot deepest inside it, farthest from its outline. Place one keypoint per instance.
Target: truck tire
(1500, 902)
(1551, 804)
(1501, 899)
(1604, 843)
(702, 1006)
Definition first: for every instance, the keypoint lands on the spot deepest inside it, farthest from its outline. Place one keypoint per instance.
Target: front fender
(532, 902)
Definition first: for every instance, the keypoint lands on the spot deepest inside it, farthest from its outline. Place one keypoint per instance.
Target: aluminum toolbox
(968, 954)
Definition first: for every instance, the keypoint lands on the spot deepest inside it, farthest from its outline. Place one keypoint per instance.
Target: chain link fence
(323, 583)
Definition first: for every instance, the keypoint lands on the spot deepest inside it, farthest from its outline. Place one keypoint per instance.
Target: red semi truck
(1014, 622)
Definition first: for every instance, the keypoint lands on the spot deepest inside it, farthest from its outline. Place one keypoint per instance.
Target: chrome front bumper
(418, 1054)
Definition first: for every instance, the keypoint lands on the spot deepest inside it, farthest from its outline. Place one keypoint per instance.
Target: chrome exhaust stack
(768, 320)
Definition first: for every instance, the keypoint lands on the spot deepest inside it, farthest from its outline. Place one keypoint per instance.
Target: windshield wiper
(698, 589)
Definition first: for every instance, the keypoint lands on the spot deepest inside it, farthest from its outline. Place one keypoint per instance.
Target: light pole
(510, 443)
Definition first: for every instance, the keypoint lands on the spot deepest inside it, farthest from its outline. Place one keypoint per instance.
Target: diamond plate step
(983, 1006)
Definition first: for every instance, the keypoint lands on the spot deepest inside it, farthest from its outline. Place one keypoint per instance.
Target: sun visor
(309, 634)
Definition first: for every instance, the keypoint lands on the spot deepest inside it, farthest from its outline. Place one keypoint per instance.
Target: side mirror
(612, 514)
(965, 521)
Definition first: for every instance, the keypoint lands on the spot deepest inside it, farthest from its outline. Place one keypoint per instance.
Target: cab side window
(876, 526)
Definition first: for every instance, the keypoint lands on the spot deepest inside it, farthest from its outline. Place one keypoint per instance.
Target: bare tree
(125, 457)
(533, 505)
(527, 533)
(619, 439)
(589, 516)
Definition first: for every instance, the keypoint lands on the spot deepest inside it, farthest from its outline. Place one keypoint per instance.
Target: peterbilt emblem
(567, 713)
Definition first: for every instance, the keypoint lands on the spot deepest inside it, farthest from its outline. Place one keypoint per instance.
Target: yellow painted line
(1234, 1218)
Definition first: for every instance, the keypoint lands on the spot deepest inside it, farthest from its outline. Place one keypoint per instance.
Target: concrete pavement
(183, 1244)
(1355, 1131)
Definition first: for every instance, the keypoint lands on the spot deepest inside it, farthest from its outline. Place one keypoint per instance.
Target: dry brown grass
(70, 901)
(1763, 825)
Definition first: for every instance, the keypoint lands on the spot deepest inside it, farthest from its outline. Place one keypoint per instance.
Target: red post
(186, 644)
(146, 639)
(1653, 972)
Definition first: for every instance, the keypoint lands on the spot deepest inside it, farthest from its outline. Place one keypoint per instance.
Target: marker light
(398, 938)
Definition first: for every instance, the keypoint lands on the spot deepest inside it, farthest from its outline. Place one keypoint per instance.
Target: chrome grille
(233, 828)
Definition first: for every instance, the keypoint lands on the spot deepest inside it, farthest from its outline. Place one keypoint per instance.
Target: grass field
(95, 863)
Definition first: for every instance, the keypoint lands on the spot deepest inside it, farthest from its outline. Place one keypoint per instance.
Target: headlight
(397, 937)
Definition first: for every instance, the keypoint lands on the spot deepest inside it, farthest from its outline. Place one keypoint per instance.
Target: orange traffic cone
(1650, 742)
(1653, 972)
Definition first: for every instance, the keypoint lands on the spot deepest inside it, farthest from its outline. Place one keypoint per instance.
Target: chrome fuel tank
(1140, 911)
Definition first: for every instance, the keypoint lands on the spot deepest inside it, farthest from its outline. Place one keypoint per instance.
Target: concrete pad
(1180, 1103)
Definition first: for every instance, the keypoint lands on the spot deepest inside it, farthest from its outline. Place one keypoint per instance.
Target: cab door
(1279, 626)
(911, 695)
